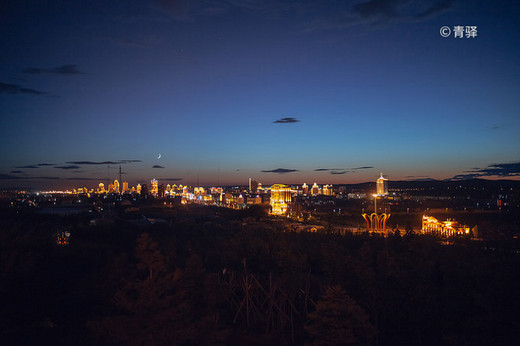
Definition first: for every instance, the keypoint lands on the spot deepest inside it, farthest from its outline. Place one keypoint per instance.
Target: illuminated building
(382, 186)
(116, 186)
(125, 186)
(199, 191)
(448, 228)
(305, 189)
(259, 188)
(281, 196)
(254, 200)
(155, 187)
(110, 188)
(327, 190)
(101, 188)
(138, 188)
(168, 189)
(216, 190)
(249, 184)
(315, 190)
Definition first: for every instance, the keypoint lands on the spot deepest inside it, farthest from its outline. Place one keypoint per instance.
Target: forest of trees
(219, 281)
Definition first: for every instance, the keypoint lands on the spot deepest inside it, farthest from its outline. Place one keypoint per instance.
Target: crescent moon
(158, 157)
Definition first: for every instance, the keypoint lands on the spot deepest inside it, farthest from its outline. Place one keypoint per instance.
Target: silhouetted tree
(338, 320)
(150, 258)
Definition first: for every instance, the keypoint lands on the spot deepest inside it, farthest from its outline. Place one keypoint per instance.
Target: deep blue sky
(365, 84)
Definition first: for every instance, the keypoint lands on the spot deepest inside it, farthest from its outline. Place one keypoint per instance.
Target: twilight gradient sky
(282, 91)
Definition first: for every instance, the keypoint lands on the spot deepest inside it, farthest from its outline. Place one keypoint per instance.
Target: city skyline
(215, 92)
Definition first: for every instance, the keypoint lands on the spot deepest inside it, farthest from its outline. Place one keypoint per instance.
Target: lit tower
(315, 189)
(116, 186)
(305, 189)
(280, 199)
(327, 190)
(155, 187)
(382, 186)
(125, 187)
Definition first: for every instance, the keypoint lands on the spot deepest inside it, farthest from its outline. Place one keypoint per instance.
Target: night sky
(280, 91)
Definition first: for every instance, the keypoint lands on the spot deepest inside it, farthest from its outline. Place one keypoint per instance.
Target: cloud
(286, 121)
(280, 170)
(501, 169)
(66, 70)
(14, 177)
(46, 164)
(464, 177)
(28, 166)
(343, 170)
(496, 169)
(129, 161)
(16, 172)
(82, 178)
(67, 167)
(339, 172)
(9, 177)
(93, 162)
(157, 166)
(103, 162)
(17, 89)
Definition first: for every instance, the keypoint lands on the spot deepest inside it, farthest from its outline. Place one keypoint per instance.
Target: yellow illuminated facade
(448, 228)
(327, 190)
(382, 186)
(315, 190)
(116, 186)
(305, 189)
(281, 196)
(155, 187)
(138, 188)
(199, 191)
(101, 188)
(125, 186)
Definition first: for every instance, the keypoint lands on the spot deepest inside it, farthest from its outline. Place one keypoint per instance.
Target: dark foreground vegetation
(201, 279)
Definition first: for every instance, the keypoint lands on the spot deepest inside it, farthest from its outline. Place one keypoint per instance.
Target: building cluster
(295, 201)
(278, 197)
(448, 228)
